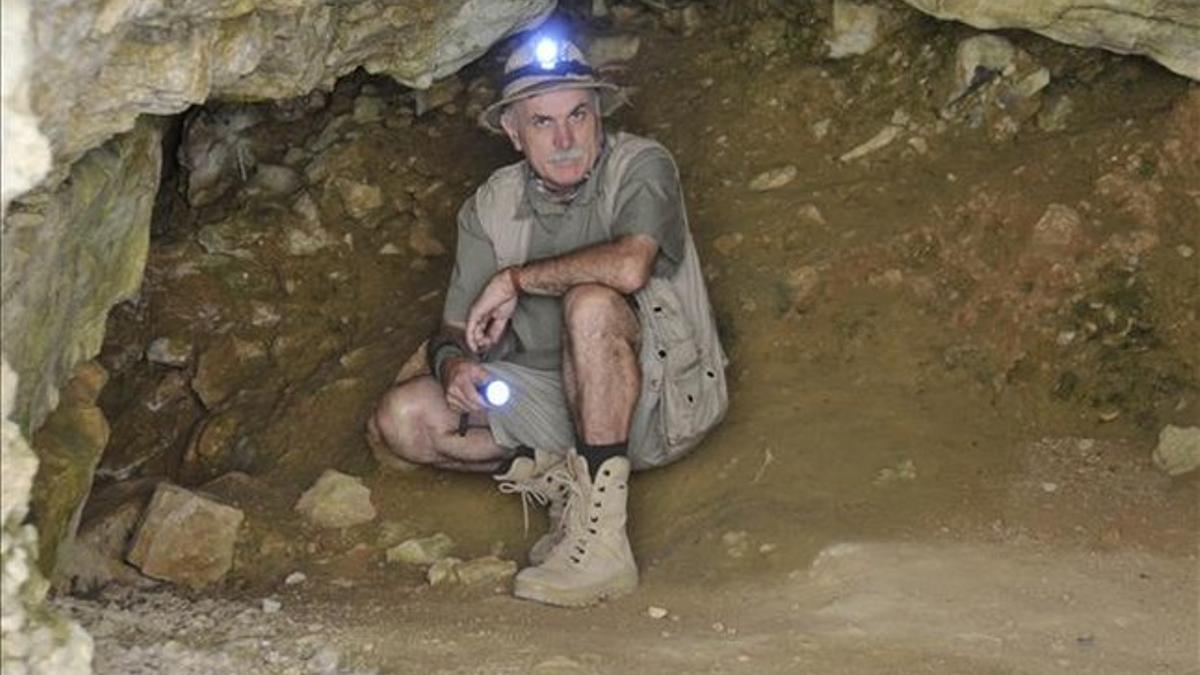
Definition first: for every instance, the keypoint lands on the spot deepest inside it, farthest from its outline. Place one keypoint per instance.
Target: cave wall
(32, 639)
(1167, 31)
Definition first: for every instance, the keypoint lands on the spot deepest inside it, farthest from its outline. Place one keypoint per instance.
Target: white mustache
(566, 156)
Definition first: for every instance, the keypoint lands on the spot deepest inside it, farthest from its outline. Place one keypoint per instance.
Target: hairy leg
(413, 423)
(600, 368)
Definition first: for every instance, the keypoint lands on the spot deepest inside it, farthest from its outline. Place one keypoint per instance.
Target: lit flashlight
(546, 53)
(495, 394)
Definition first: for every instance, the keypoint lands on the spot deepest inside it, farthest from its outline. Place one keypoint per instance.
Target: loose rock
(276, 180)
(185, 538)
(612, 49)
(423, 551)
(488, 569)
(168, 351)
(336, 500)
(359, 199)
(443, 571)
(1178, 450)
(774, 178)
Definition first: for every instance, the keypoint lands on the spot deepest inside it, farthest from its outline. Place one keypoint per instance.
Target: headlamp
(546, 53)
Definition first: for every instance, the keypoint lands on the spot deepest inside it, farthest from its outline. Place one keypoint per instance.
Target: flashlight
(495, 394)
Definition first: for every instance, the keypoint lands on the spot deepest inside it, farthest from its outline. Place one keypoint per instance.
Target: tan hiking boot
(593, 561)
(544, 481)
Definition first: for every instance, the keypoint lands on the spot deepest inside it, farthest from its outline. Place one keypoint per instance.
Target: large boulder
(103, 64)
(1167, 31)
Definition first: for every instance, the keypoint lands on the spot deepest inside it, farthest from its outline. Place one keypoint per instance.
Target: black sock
(599, 454)
(507, 462)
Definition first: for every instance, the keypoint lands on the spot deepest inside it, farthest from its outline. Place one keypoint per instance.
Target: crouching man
(577, 284)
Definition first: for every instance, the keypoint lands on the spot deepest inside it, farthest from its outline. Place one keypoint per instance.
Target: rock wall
(32, 640)
(101, 65)
(1167, 31)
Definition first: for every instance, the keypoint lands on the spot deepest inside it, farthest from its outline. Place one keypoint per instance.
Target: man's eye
(578, 115)
(541, 122)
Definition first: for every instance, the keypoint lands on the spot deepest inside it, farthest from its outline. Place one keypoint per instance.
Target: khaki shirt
(649, 202)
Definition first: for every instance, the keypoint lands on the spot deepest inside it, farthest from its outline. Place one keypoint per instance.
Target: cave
(950, 249)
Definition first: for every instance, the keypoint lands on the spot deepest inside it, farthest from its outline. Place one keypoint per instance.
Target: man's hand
(462, 379)
(489, 314)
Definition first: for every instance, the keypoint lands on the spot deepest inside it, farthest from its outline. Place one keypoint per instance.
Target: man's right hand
(461, 379)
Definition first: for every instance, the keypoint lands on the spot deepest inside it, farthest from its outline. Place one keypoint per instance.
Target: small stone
(1047, 486)
(324, 661)
(1108, 415)
(856, 28)
(612, 49)
(1185, 251)
(306, 208)
(389, 249)
(271, 606)
(1053, 115)
(359, 199)
(441, 93)
(423, 551)
(185, 538)
(820, 129)
(336, 500)
(276, 180)
(725, 243)
(809, 214)
(488, 569)
(773, 179)
(168, 351)
(295, 578)
(443, 571)
(368, 109)
(1178, 450)
(656, 612)
(919, 144)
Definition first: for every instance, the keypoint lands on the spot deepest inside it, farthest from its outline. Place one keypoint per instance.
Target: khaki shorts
(538, 417)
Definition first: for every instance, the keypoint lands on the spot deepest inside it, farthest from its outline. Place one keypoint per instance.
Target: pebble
(725, 243)
(1185, 251)
(295, 578)
(656, 612)
(773, 179)
(1049, 487)
(421, 551)
(270, 606)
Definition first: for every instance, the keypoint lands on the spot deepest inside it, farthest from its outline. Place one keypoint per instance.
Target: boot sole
(575, 597)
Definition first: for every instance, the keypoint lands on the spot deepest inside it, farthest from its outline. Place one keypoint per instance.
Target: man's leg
(600, 369)
(414, 424)
(593, 559)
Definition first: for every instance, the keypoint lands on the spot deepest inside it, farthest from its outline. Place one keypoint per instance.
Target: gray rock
(185, 538)
(423, 551)
(1178, 450)
(613, 49)
(368, 109)
(276, 180)
(858, 27)
(1053, 115)
(169, 351)
(488, 569)
(360, 200)
(336, 500)
(444, 571)
(441, 93)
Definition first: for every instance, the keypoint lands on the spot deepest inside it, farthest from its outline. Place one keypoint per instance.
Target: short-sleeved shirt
(649, 202)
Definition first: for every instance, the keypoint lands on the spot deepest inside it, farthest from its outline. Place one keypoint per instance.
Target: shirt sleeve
(650, 202)
(474, 265)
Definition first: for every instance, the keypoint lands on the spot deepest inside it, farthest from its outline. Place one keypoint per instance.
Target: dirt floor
(950, 361)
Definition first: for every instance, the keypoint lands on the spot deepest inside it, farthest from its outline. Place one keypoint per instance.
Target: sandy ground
(903, 484)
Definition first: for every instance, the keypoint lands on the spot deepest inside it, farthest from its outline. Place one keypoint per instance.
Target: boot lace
(530, 491)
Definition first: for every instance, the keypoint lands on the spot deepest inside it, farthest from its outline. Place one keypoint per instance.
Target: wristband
(442, 352)
(515, 277)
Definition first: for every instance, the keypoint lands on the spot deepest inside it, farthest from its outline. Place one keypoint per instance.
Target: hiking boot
(593, 561)
(544, 481)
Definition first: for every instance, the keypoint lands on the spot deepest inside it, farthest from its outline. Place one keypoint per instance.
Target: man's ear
(508, 120)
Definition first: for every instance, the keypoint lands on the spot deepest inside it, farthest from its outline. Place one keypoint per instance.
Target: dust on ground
(950, 359)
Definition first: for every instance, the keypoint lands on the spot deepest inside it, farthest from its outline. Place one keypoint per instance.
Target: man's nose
(564, 138)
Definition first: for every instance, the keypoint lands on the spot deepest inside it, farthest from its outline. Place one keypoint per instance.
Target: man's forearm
(624, 265)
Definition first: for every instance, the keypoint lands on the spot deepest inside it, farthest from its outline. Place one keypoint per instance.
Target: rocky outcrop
(1167, 31)
(101, 65)
(71, 254)
(32, 640)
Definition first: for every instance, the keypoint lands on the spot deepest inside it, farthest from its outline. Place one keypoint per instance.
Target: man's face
(559, 132)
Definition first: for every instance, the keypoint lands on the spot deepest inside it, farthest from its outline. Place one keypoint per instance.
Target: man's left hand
(489, 315)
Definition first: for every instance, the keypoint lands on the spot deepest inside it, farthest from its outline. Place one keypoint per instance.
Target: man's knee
(401, 420)
(591, 308)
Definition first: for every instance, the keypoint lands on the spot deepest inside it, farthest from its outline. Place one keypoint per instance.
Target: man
(576, 283)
